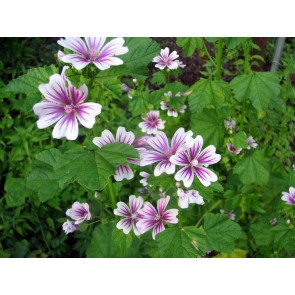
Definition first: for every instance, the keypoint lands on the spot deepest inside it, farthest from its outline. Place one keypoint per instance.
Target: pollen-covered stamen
(92, 54)
(69, 108)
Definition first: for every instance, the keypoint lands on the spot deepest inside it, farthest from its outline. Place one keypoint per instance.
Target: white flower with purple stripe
(79, 212)
(289, 198)
(122, 171)
(152, 122)
(230, 124)
(69, 227)
(193, 161)
(64, 104)
(154, 219)
(93, 51)
(163, 153)
(172, 112)
(145, 176)
(167, 60)
(130, 213)
(189, 197)
(251, 143)
(232, 149)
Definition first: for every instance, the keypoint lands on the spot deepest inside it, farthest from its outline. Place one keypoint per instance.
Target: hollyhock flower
(162, 152)
(189, 197)
(64, 104)
(166, 60)
(153, 219)
(69, 227)
(93, 51)
(130, 213)
(122, 171)
(79, 212)
(231, 215)
(152, 123)
(145, 176)
(193, 161)
(251, 143)
(289, 198)
(232, 149)
(230, 124)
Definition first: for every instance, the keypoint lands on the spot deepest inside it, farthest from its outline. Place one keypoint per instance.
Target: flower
(251, 143)
(69, 227)
(64, 104)
(126, 89)
(91, 51)
(152, 123)
(166, 60)
(171, 111)
(153, 219)
(231, 214)
(293, 166)
(130, 213)
(189, 197)
(289, 198)
(163, 152)
(230, 124)
(180, 64)
(142, 141)
(193, 160)
(145, 176)
(122, 171)
(232, 149)
(79, 212)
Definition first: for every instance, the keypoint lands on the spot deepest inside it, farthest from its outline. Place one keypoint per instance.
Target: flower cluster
(289, 198)
(171, 111)
(143, 219)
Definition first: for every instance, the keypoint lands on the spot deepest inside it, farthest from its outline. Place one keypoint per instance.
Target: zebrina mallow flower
(152, 122)
(251, 143)
(145, 177)
(69, 227)
(166, 60)
(153, 219)
(122, 171)
(64, 104)
(163, 153)
(193, 161)
(172, 112)
(189, 197)
(232, 149)
(93, 51)
(230, 124)
(289, 198)
(130, 213)
(79, 212)
(231, 215)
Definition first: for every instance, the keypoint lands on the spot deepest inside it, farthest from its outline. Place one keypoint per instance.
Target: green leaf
(210, 126)
(233, 42)
(137, 105)
(189, 45)
(260, 87)
(29, 82)
(206, 93)
(187, 242)
(124, 241)
(140, 54)
(221, 232)
(262, 234)
(253, 169)
(165, 182)
(16, 191)
(158, 78)
(240, 140)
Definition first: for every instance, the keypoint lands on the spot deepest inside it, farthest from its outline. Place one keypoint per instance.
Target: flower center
(69, 108)
(195, 162)
(92, 54)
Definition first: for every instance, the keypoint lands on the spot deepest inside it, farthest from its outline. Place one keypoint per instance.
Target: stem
(247, 58)
(208, 54)
(203, 216)
(219, 59)
(112, 193)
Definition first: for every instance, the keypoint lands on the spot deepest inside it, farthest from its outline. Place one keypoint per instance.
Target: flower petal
(124, 136)
(182, 198)
(150, 157)
(196, 147)
(78, 95)
(143, 225)
(164, 166)
(181, 141)
(87, 112)
(122, 210)
(126, 224)
(170, 216)
(157, 229)
(94, 44)
(135, 204)
(114, 47)
(66, 127)
(106, 62)
(106, 138)
(205, 175)
(79, 62)
(162, 204)
(148, 211)
(180, 159)
(186, 175)
(160, 142)
(75, 44)
(123, 171)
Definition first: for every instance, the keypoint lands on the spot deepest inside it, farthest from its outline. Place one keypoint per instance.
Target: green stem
(112, 193)
(247, 57)
(216, 204)
(219, 59)
(208, 54)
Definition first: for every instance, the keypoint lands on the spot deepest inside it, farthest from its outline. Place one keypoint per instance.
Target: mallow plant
(164, 169)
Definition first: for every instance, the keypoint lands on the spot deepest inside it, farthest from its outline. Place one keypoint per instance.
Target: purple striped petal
(183, 200)
(48, 113)
(126, 225)
(106, 62)
(150, 157)
(145, 225)
(180, 159)
(78, 95)
(170, 216)
(160, 143)
(208, 156)
(123, 171)
(162, 204)
(122, 210)
(79, 62)
(157, 229)
(196, 147)
(164, 166)
(186, 175)
(106, 138)
(172, 113)
(55, 91)
(79, 212)
(124, 136)
(205, 175)
(87, 112)
(114, 47)
(135, 204)
(66, 127)
(148, 211)
(94, 44)
(74, 44)
(173, 55)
